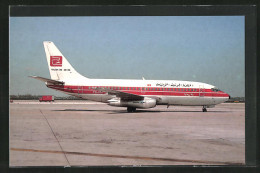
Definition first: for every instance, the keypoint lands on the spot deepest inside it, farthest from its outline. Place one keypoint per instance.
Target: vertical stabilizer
(60, 68)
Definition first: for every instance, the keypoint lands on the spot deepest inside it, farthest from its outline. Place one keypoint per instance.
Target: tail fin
(60, 68)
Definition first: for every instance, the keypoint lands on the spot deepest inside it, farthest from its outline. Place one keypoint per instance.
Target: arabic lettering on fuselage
(173, 85)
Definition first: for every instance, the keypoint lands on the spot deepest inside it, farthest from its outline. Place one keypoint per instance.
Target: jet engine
(144, 104)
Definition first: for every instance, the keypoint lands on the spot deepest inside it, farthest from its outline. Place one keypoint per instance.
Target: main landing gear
(204, 109)
(131, 109)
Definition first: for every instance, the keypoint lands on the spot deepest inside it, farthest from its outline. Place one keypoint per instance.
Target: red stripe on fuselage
(142, 90)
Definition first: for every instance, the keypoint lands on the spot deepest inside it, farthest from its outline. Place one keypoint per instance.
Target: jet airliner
(132, 94)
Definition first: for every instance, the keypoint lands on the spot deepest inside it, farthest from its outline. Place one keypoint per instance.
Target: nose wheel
(204, 109)
(130, 109)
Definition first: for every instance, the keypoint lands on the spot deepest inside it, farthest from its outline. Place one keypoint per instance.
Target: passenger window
(182, 89)
(191, 89)
(185, 89)
(178, 89)
(143, 88)
(188, 89)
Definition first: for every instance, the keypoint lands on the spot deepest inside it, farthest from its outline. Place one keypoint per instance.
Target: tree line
(36, 97)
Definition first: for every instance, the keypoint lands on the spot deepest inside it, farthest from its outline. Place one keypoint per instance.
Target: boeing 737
(132, 94)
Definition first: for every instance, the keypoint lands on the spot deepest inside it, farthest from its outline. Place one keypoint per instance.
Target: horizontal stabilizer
(47, 80)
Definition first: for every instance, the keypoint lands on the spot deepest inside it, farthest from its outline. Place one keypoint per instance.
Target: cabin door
(201, 91)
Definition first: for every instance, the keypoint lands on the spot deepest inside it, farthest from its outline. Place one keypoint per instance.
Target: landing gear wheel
(204, 109)
(130, 109)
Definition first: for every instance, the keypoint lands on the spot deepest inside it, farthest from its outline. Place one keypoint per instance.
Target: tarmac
(83, 133)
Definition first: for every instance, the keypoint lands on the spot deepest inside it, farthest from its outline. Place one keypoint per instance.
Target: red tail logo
(56, 61)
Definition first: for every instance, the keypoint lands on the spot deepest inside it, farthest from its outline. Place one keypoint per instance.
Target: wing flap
(123, 95)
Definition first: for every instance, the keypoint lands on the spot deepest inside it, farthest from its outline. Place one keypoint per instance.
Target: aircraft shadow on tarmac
(137, 111)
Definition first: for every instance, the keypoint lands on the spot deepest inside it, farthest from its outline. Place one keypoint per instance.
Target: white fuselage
(170, 92)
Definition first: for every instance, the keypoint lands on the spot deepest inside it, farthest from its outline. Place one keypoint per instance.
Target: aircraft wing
(123, 95)
(47, 80)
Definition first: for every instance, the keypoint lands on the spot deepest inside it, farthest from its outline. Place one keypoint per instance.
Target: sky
(208, 49)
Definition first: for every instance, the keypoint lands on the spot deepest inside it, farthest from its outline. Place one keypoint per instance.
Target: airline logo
(56, 61)
(148, 84)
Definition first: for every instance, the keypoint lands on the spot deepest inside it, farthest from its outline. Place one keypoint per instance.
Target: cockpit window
(215, 89)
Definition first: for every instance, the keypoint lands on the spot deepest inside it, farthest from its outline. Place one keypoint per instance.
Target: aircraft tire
(131, 109)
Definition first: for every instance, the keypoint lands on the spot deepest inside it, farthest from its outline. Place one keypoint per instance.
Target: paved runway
(82, 133)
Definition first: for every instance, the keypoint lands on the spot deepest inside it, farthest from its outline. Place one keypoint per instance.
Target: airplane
(132, 94)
